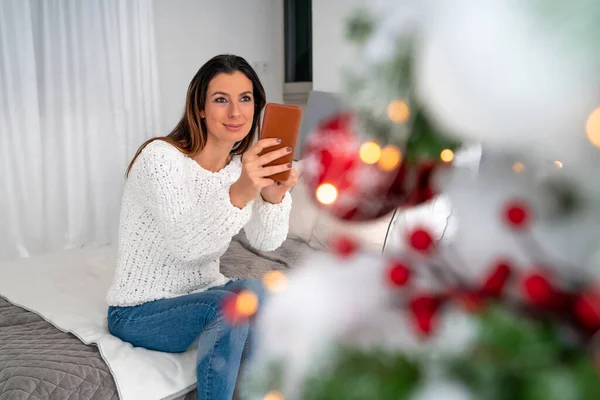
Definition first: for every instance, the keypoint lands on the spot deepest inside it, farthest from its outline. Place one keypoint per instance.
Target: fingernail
(289, 165)
(278, 140)
(289, 148)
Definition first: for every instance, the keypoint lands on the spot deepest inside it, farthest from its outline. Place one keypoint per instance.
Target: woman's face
(229, 108)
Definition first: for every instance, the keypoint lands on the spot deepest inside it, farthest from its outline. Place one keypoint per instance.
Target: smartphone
(281, 121)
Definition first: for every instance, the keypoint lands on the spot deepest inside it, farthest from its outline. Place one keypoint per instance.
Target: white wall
(190, 32)
(330, 49)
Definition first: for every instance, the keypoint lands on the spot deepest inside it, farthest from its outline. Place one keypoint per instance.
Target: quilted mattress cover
(38, 361)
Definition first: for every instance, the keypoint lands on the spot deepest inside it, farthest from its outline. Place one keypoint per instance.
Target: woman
(186, 196)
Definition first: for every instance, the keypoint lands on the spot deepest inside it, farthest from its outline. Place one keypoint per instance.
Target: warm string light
(558, 164)
(274, 395)
(246, 303)
(447, 155)
(592, 127)
(398, 111)
(370, 152)
(390, 158)
(275, 281)
(326, 193)
(518, 167)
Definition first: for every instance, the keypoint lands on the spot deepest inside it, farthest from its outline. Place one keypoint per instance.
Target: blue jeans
(175, 325)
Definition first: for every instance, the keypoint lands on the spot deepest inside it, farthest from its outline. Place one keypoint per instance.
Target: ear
(202, 114)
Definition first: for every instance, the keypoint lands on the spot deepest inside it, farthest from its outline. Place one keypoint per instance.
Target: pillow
(370, 234)
(304, 213)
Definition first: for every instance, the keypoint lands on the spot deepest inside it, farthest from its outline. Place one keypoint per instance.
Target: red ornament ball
(355, 188)
(398, 274)
(517, 214)
(421, 240)
(423, 190)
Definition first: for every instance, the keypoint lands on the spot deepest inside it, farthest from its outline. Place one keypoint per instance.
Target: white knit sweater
(177, 220)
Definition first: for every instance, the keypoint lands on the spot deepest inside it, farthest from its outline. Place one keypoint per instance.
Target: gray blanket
(243, 261)
(38, 361)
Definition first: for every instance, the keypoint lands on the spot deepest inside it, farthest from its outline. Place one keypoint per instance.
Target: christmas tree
(508, 306)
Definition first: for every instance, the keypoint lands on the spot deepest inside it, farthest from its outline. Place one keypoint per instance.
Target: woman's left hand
(274, 193)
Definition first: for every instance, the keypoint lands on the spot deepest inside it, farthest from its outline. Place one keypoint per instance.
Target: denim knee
(256, 286)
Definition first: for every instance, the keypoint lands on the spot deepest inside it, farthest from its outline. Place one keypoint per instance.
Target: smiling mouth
(233, 126)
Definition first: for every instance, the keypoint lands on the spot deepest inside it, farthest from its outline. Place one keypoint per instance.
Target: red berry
(424, 309)
(587, 310)
(344, 246)
(517, 214)
(421, 240)
(495, 283)
(539, 291)
(398, 274)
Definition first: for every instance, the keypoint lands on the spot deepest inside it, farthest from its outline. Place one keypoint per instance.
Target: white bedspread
(67, 289)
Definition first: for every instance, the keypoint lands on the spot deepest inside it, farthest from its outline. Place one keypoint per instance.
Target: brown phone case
(281, 121)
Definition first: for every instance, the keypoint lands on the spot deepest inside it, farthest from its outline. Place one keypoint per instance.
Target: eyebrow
(227, 94)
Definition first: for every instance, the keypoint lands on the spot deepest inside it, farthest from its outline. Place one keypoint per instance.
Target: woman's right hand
(254, 174)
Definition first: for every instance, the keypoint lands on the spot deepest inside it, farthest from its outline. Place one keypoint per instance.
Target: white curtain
(78, 95)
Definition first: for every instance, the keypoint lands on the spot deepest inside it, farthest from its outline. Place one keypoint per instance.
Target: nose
(234, 110)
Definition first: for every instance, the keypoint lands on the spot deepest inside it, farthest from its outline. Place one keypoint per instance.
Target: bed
(52, 356)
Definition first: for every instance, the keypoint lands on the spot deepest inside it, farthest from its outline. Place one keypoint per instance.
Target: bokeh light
(246, 303)
(274, 395)
(447, 155)
(390, 158)
(275, 281)
(558, 164)
(398, 111)
(518, 167)
(370, 152)
(592, 127)
(326, 193)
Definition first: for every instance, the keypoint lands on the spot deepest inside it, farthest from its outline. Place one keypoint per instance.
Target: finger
(263, 144)
(290, 183)
(263, 183)
(294, 173)
(268, 171)
(274, 155)
(248, 158)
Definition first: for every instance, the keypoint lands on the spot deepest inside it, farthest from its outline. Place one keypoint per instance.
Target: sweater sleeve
(269, 224)
(192, 229)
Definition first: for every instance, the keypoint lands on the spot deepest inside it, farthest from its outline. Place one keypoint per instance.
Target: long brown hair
(190, 134)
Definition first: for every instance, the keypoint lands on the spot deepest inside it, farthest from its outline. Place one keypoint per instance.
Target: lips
(233, 127)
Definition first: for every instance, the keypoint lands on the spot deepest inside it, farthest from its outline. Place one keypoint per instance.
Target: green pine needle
(365, 375)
